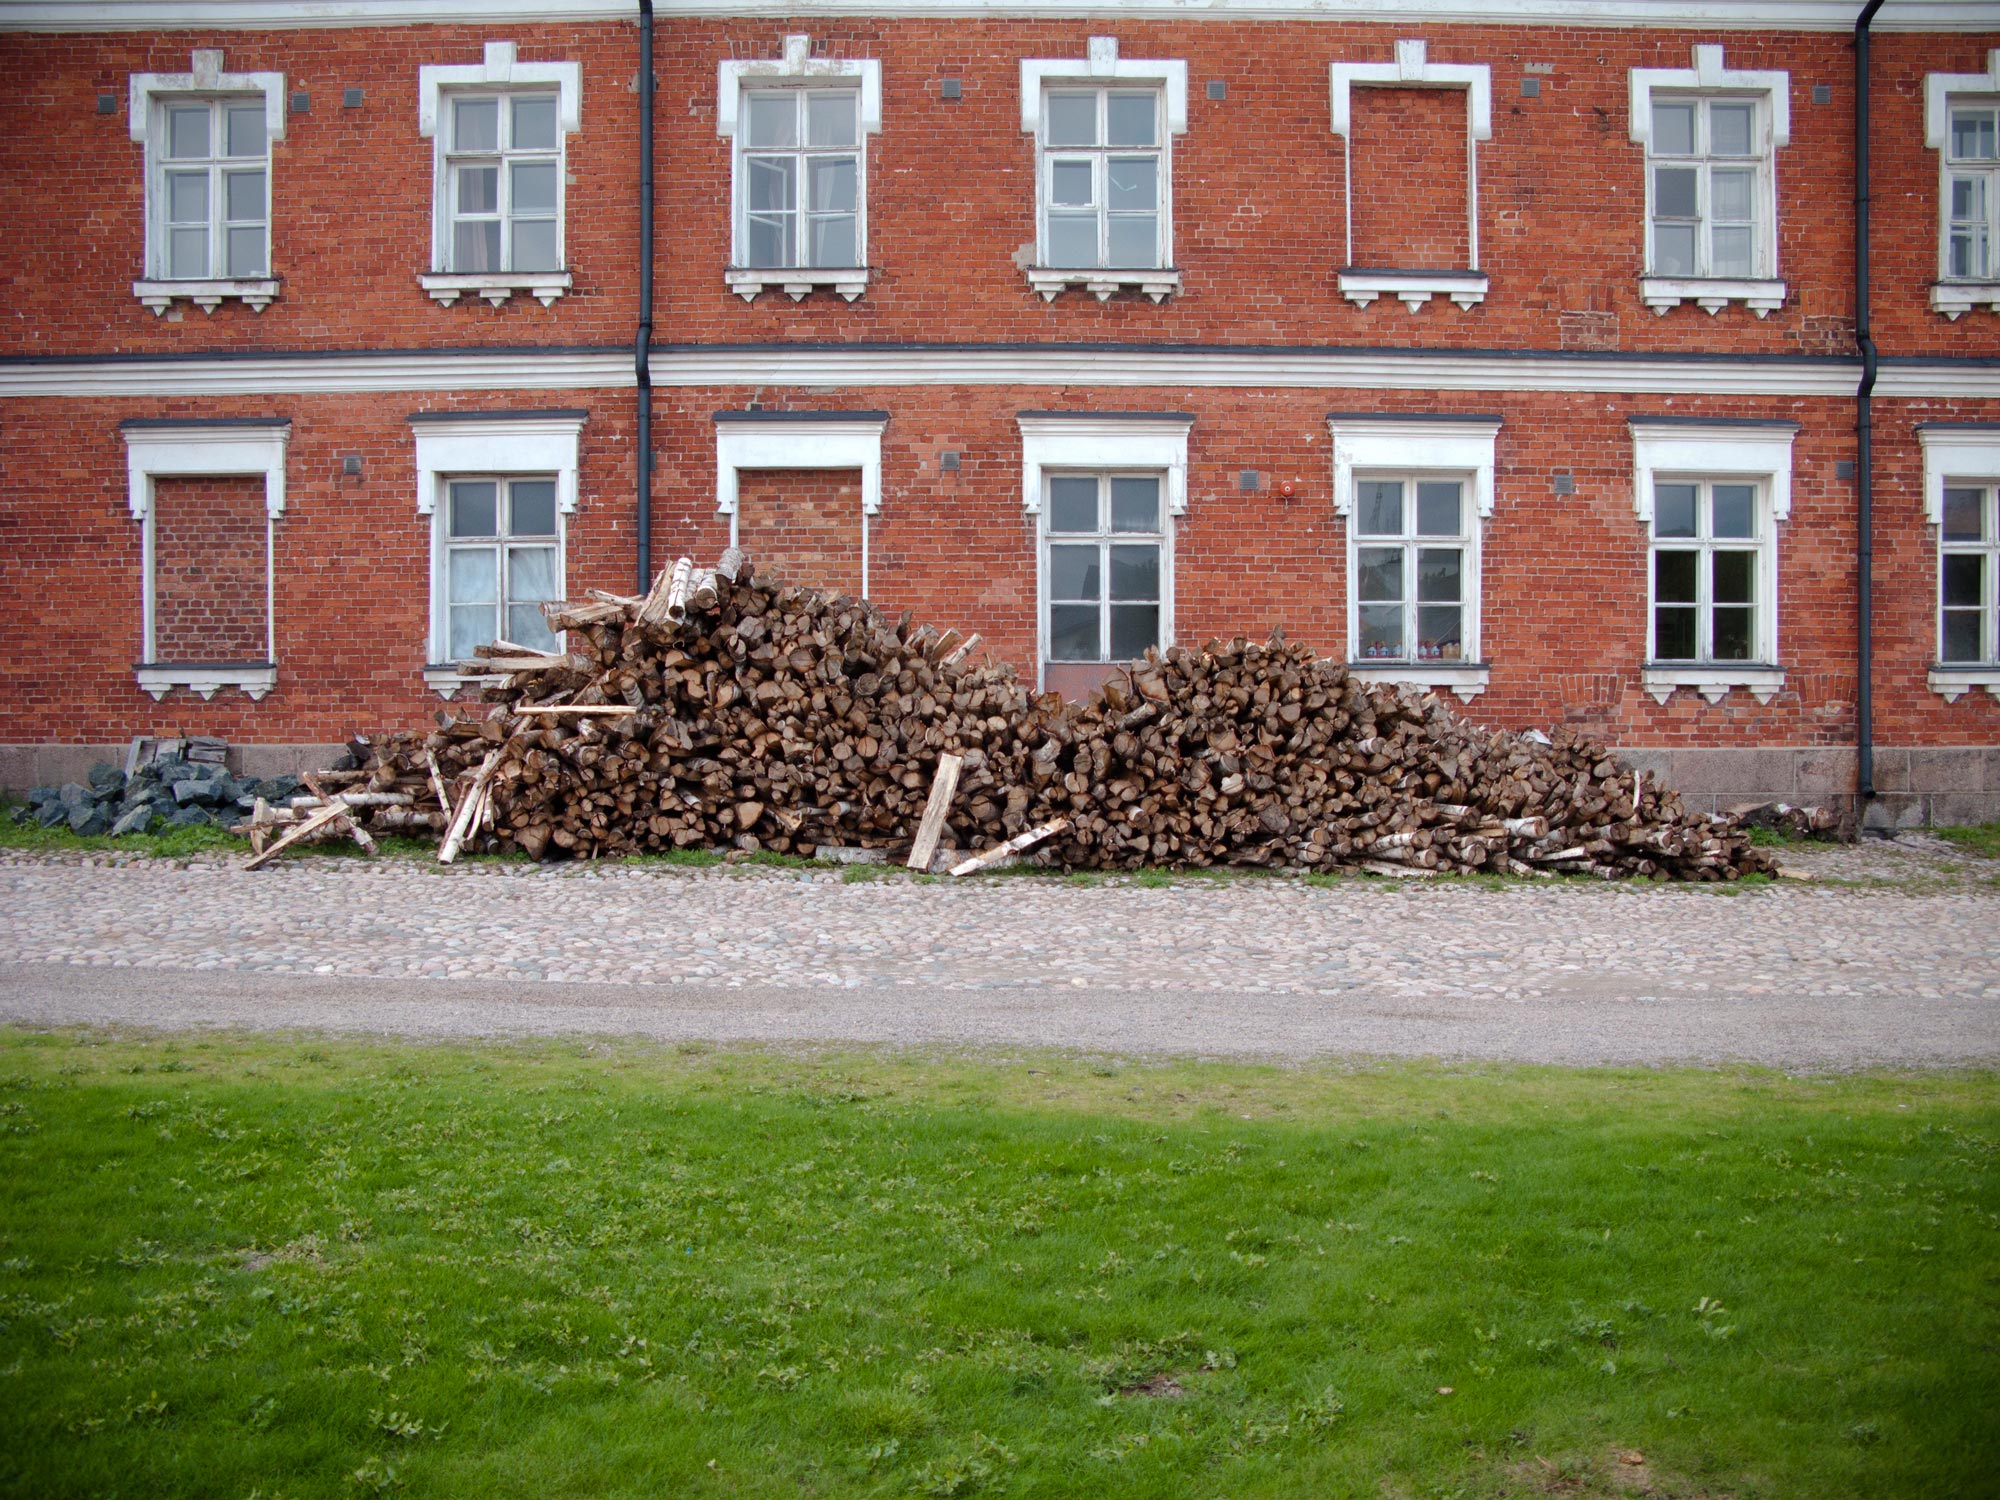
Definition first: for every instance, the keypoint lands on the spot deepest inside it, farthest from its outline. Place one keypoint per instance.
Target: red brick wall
(1408, 159)
(208, 569)
(802, 525)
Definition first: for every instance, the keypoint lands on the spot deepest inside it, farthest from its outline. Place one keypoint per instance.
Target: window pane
(1733, 252)
(1135, 573)
(1968, 254)
(774, 120)
(1133, 183)
(1134, 240)
(1134, 627)
(187, 253)
(1961, 635)
(478, 190)
(1072, 503)
(1964, 580)
(1073, 633)
(1674, 577)
(476, 246)
(535, 123)
(830, 119)
(1731, 194)
(474, 575)
(1070, 184)
(1964, 515)
(531, 509)
(1132, 119)
(1072, 240)
(1438, 507)
(1070, 120)
(771, 240)
(1074, 573)
(531, 574)
(1673, 249)
(471, 628)
(1135, 504)
(1735, 510)
(1440, 632)
(534, 245)
(243, 196)
(527, 626)
(475, 125)
(834, 242)
(534, 187)
(1968, 197)
(1733, 578)
(1673, 634)
(770, 183)
(1673, 510)
(1729, 129)
(1440, 574)
(187, 131)
(1379, 507)
(830, 181)
(1378, 573)
(1972, 135)
(187, 197)
(246, 250)
(1673, 129)
(473, 503)
(244, 129)
(1378, 630)
(1674, 192)
(1732, 634)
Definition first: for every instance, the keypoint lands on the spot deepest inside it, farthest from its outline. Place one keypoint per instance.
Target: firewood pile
(726, 710)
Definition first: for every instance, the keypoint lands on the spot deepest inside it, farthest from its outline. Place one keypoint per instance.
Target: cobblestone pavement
(1892, 955)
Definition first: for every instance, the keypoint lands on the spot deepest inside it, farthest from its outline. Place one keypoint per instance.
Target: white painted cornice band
(1683, 15)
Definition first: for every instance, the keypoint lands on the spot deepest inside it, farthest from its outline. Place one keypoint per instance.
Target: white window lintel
(1102, 441)
(1101, 65)
(1761, 450)
(780, 440)
(1708, 72)
(1938, 89)
(205, 76)
(202, 448)
(501, 68)
(497, 443)
(1955, 451)
(1412, 69)
(1459, 444)
(797, 66)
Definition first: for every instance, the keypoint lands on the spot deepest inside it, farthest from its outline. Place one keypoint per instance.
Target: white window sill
(1713, 680)
(255, 678)
(446, 681)
(796, 282)
(1414, 288)
(495, 286)
(1467, 679)
(1954, 298)
(207, 295)
(1711, 293)
(1102, 282)
(1951, 683)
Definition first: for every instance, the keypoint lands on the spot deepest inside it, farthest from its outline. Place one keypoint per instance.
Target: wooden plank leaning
(351, 825)
(943, 785)
(468, 810)
(1014, 845)
(328, 814)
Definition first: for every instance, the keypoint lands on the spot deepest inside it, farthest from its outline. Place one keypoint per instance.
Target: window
(1410, 565)
(1105, 562)
(501, 561)
(1706, 552)
(1968, 599)
(1706, 194)
(1972, 175)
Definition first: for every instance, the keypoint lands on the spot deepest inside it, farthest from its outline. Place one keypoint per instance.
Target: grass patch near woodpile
(1982, 839)
(305, 1268)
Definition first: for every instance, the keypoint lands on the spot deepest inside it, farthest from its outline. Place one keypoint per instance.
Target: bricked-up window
(1969, 576)
(800, 179)
(211, 602)
(503, 183)
(1709, 188)
(211, 198)
(1104, 188)
(502, 561)
(1709, 562)
(1106, 567)
(1412, 570)
(1411, 167)
(1972, 192)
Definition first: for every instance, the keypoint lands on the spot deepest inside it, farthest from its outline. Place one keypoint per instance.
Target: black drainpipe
(1864, 454)
(642, 344)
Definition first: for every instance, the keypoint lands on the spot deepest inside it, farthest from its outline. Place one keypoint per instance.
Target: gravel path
(1895, 958)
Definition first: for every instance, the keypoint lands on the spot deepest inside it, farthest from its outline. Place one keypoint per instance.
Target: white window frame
(499, 73)
(1102, 68)
(502, 543)
(453, 445)
(1102, 443)
(1943, 92)
(1103, 539)
(149, 93)
(797, 68)
(1413, 69)
(1758, 452)
(801, 440)
(1763, 293)
(204, 449)
(1374, 445)
(1958, 453)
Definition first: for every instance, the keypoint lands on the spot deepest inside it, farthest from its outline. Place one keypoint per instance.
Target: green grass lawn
(295, 1268)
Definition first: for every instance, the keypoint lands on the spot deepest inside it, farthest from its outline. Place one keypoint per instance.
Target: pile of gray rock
(168, 792)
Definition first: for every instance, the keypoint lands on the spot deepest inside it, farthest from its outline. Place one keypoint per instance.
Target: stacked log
(726, 710)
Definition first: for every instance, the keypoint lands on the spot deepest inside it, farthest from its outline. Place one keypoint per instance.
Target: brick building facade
(1509, 348)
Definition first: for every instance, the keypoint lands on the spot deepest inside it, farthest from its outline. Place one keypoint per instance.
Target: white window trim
(204, 77)
(1762, 295)
(1760, 451)
(803, 440)
(1104, 474)
(1102, 67)
(500, 69)
(203, 449)
(1968, 452)
(797, 68)
(1949, 297)
(499, 443)
(1412, 69)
